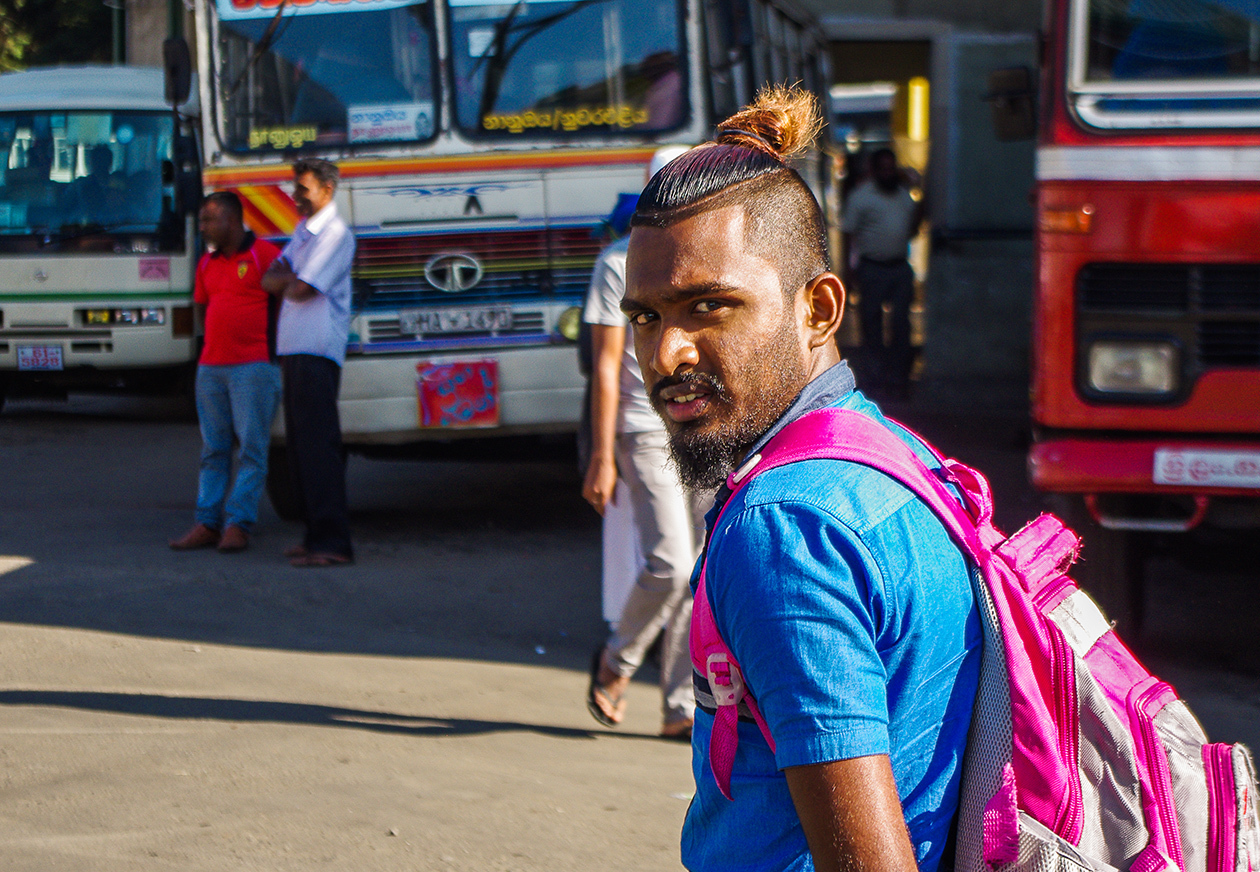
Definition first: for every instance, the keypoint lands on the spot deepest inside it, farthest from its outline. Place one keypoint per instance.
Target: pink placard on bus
(461, 394)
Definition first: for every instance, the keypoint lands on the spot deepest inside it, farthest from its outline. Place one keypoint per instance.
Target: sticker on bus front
(459, 394)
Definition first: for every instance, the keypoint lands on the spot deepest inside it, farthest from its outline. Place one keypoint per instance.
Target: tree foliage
(43, 32)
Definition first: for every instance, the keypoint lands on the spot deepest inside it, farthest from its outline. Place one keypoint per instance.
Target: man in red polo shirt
(238, 385)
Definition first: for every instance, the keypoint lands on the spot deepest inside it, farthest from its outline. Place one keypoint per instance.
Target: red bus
(1146, 317)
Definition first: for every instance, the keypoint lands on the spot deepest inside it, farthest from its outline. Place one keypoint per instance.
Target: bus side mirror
(1010, 98)
(188, 191)
(177, 70)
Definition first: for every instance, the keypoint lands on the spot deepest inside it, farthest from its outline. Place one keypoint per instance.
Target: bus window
(566, 68)
(1185, 39)
(730, 62)
(68, 170)
(326, 74)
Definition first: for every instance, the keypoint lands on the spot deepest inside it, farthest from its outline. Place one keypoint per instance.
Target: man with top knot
(842, 598)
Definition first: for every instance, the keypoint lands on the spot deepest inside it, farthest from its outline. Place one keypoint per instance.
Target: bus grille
(518, 266)
(1229, 343)
(384, 328)
(1214, 307)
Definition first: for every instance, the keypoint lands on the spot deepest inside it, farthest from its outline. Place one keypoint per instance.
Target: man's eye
(706, 306)
(638, 319)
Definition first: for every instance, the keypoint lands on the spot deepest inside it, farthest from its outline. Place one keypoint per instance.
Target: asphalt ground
(422, 709)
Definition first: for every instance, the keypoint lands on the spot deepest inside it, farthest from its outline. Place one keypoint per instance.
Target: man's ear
(823, 298)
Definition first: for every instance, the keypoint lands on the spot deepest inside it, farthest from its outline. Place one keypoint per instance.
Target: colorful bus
(96, 245)
(482, 146)
(1146, 334)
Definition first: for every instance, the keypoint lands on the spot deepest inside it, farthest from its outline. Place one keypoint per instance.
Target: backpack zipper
(1222, 813)
(1157, 766)
(1070, 821)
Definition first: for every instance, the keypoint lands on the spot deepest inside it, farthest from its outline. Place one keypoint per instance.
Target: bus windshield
(567, 67)
(64, 173)
(325, 73)
(1172, 40)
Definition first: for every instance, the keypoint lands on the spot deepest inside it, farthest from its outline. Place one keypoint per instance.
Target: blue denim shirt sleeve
(807, 635)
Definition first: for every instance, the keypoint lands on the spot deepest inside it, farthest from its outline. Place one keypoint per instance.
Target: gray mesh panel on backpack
(989, 739)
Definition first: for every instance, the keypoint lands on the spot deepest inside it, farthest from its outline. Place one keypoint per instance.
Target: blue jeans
(240, 401)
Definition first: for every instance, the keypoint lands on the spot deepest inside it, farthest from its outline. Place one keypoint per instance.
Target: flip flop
(319, 559)
(595, 692)
(296, 551)
(679, 731)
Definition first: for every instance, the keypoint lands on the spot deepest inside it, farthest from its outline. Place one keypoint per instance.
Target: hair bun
(782, 122)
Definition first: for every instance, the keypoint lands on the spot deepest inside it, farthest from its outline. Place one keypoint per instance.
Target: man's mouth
(684, 401)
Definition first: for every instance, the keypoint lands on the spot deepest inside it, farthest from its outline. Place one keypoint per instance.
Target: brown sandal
(317, 559)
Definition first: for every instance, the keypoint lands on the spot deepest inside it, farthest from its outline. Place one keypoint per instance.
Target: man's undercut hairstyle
(229, 202)
(324, 171)
(746, 165)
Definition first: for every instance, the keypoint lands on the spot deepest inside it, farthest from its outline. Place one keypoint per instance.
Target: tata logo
(453, 273)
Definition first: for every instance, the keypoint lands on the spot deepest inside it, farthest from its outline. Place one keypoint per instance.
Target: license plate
(39, 358)
(1207, 468)
(458, 394)
(477, 319)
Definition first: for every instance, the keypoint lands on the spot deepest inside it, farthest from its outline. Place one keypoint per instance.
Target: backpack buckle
(725, 682)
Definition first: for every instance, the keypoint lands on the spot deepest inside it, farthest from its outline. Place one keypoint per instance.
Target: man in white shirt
(880, 218)
(312, 276)
(629, 442)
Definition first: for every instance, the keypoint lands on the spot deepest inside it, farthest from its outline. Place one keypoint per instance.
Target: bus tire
(281, 489)
(1111, 567)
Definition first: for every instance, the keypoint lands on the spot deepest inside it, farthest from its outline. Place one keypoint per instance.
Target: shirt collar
(247, 242)
(830, 386)
(317, 222)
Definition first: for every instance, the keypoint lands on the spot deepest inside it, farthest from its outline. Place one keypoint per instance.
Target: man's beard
(705, 455)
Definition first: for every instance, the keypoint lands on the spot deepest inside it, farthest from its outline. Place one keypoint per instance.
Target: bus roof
(83, 87)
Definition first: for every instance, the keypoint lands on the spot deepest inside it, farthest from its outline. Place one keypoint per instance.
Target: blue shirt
(852, 614)
(321, 251)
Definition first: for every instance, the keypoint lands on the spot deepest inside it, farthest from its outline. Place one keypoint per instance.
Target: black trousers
(881, 283)
(316, 456)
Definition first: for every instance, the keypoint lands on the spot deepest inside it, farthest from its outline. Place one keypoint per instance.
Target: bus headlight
(569, 324)
(148, 315)
(1133, 367)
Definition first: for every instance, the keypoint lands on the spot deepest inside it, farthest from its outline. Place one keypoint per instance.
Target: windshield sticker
(236, 10)
(390, 122)
(88, 129)
(281, 137)
(567, 120)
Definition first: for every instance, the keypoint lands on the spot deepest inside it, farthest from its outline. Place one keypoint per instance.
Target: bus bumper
(1079, 464)
(540, 391)
(1176, 482)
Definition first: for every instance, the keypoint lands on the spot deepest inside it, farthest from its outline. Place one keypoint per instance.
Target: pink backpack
(1078, 758)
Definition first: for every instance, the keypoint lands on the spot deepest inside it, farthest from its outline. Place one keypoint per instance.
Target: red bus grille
(1211, 310)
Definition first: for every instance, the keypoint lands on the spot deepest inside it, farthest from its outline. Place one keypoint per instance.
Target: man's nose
(675, 350)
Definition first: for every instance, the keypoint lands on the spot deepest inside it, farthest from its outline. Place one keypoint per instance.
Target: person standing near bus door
(312, 277)
(238, 384)
(629, 442)
(880, 219)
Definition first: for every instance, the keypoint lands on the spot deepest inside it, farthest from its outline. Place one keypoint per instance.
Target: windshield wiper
(496, 66)
(264, 43)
